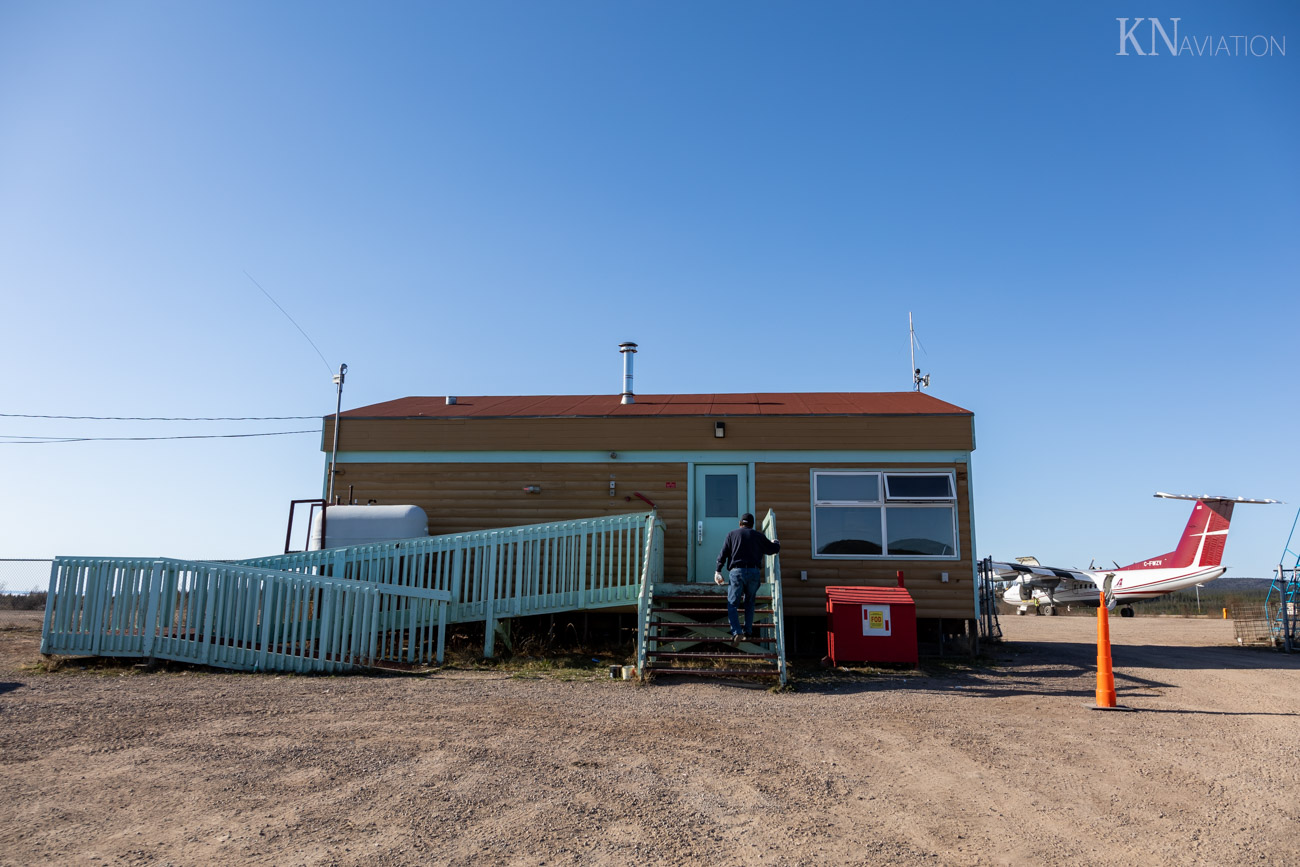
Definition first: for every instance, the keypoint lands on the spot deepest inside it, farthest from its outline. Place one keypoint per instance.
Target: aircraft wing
(1051, 580)
(1045, 576)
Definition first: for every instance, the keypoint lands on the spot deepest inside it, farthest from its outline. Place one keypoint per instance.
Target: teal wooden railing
(236, 616)
(359, 605)
(772, 576)
(654, 570)
(497, 574)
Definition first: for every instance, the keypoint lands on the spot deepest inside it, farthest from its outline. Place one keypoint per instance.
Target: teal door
(720, 497)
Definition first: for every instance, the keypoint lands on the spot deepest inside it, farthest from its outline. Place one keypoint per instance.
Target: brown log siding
(747, 433)
(463, 497)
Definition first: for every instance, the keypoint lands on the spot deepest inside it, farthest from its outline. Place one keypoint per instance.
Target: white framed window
(869, 514)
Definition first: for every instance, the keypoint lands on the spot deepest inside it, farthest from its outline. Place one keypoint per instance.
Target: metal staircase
(682, 629)
(989, 628)
(1282, 605)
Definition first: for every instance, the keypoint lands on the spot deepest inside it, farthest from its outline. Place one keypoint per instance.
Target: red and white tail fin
(1203, 538)
(1202, 541)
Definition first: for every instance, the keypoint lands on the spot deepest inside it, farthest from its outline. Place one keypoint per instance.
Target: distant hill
(1245, 585)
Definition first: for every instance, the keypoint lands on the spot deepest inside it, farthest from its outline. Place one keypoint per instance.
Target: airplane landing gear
(1049, 610)
(1126, 612)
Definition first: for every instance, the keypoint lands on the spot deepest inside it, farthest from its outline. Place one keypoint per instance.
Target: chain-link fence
(22, 591)
(24, 576)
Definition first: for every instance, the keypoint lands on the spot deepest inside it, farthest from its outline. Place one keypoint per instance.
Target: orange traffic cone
(1105, 674)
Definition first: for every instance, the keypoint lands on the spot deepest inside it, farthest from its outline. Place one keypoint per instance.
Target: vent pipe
(628, 350)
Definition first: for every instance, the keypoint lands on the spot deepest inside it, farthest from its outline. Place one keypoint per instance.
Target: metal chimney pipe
(628, 350)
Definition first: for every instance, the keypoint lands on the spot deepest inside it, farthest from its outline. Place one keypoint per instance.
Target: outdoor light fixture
(719, 429)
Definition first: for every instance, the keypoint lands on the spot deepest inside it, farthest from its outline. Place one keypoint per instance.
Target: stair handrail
(652, 568)
(772, 568)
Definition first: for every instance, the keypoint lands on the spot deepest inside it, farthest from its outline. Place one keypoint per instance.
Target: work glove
(717, 578)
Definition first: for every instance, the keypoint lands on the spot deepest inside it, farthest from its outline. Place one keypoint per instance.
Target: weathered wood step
(700, 609)
(725, 638)
(715, 672)
(697, 624)
(683, 654)
(677, 639)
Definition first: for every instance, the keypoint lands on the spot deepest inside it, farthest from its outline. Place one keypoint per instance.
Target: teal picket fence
(364, 605)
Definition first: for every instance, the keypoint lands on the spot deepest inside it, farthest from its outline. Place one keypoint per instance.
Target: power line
(163, 418)
(16, 440)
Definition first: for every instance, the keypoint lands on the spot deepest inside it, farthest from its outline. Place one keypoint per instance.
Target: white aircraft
(1197, 559)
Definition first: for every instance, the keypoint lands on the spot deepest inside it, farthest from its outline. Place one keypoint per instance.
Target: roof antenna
(918, 381)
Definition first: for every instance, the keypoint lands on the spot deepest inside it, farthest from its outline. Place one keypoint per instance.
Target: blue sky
(1100, 251)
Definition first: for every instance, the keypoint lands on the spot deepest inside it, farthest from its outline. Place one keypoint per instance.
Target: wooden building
(862, 484)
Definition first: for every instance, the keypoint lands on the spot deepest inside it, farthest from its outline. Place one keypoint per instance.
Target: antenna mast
(334, 453)
(918, 381)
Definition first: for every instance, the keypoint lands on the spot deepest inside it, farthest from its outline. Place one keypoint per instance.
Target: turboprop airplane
(1197, 559)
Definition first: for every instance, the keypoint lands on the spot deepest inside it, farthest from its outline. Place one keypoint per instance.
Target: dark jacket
(744, 549)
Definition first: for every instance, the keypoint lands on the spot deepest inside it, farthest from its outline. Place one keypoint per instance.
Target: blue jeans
(743, 584)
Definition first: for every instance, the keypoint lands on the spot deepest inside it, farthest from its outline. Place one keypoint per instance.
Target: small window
(848, 488)
(918, 487)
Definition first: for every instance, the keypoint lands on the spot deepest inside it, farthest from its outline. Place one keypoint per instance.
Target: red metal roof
(870, 595)
(605, 405)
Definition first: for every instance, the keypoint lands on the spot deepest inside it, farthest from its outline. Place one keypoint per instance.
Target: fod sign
(875, 620)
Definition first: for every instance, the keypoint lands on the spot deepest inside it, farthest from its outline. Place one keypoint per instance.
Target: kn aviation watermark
(1145, 36)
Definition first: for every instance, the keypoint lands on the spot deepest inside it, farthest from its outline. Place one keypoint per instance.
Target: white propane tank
(365, 525)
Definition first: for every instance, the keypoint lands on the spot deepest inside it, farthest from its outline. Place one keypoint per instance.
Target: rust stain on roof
(609, 406)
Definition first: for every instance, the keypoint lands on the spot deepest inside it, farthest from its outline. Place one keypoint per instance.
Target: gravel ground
(998, 763)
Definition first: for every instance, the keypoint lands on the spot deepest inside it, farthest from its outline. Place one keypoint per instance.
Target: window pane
(720, 497)
(926, 531)
(854, 487)
(848, 531)
(914, 487)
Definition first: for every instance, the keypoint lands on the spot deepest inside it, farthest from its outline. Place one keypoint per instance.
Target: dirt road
(998, 764)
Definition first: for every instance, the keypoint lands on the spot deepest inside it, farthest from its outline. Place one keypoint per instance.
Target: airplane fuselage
(1131, 585)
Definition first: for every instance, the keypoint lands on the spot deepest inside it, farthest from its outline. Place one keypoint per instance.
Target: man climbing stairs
(686, 632)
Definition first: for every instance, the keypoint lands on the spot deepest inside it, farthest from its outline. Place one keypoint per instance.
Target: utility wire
(15, 440)
(295, 324)
(164, 418)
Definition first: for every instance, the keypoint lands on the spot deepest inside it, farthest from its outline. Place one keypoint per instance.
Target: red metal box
(870, 624)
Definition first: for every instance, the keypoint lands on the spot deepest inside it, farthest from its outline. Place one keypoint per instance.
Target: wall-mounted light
(719, 429)
(532, 489)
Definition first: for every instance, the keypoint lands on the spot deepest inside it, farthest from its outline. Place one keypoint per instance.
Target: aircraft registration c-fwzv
(1197, 559)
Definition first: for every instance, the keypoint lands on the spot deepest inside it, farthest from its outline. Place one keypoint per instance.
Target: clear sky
(1101, 251)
